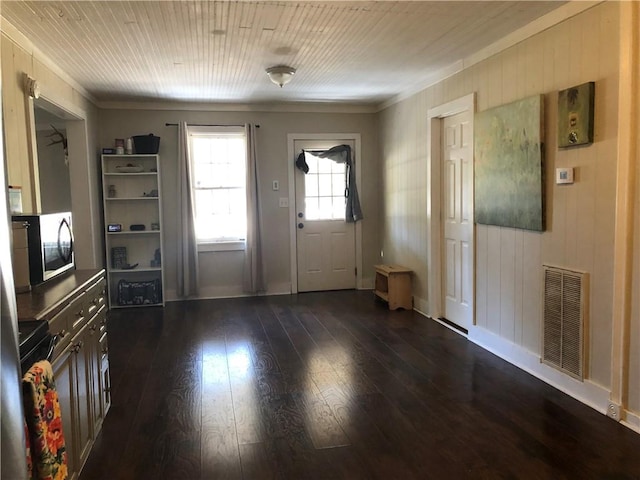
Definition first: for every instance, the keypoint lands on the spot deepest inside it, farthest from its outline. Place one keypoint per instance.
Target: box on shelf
(146, 144)
(118, 257)
(147, 292)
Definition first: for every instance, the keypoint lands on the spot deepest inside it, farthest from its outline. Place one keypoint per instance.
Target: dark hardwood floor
(333, 386)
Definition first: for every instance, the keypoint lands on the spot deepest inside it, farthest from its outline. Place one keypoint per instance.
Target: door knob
(301, 225)
(300, 215)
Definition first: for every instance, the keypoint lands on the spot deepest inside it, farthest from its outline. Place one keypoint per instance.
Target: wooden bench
(393, 284)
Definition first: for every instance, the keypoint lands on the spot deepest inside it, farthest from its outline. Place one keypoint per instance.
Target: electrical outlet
(613, 411)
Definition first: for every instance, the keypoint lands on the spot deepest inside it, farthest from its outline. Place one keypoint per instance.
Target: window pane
(202, 174)
(310, 185)
(325, 208)
(324, 184)
(200, 148)
(204, 202)
(338, 167)
(312, 163)
(311, 209)
(324, 165)
(220, 199)
(338, 185)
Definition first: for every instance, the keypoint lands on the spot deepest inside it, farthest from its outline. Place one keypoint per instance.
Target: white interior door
(326, 253)
(457, 206)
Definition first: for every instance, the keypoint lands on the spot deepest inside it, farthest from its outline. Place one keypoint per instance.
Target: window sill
(221, 246)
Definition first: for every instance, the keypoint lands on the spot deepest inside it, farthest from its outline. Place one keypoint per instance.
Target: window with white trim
(219, 157)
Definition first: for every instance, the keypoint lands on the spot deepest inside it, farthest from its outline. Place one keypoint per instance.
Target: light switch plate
(284, 202)
(564, 175)
(276, 185)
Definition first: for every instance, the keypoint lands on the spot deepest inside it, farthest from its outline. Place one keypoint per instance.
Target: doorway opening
(451, 259)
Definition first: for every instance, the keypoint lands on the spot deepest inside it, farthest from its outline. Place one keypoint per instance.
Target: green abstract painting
(509, 187)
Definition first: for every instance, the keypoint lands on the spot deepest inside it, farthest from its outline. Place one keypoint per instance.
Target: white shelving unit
(132, 196)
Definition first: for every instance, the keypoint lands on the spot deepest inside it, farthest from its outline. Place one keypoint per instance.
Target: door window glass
(324, 187)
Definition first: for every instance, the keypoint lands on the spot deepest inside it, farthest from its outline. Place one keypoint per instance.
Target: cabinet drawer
(65, 323)
(95, 298)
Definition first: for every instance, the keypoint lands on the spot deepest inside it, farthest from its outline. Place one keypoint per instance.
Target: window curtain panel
(187, 243)
(339, 154)
(254, 267)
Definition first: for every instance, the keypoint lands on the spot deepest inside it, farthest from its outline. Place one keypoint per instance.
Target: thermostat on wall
(564, 175)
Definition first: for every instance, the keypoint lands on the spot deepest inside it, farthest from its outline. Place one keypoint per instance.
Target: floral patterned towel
(42, 411)
(28, 445)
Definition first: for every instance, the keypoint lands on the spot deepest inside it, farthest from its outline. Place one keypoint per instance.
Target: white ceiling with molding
(217, 51)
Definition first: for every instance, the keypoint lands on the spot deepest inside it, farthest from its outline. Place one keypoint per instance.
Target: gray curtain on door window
(254, 267)
(187, 242)
(339, 154)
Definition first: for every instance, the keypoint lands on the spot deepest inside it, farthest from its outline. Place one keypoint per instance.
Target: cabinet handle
(77, 347)
(79, 314)
(62, 333)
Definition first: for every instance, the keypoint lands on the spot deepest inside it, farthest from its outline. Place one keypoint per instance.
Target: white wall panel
(507, 286)
(481, 275)
(16, 61)
(634, 344)
(580, 217)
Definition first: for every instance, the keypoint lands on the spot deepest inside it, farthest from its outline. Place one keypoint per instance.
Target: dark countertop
(47, 299)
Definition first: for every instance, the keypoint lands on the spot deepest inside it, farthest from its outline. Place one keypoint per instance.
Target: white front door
(326, 253)
(457, 208)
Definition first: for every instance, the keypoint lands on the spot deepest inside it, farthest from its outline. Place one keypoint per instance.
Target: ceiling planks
(217, 51)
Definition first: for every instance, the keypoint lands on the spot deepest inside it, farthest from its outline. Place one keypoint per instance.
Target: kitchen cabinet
(80, 358)
(63, 373)
(133, 230)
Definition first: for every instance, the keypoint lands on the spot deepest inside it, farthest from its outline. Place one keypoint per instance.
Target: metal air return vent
(565, 312)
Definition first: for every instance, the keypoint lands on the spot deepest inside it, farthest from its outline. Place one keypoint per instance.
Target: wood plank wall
(634, 347)
(580, 217)
(16, 61)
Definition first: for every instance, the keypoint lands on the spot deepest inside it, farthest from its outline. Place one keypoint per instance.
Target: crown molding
(559, 15)
(18, 38)
(283, 107)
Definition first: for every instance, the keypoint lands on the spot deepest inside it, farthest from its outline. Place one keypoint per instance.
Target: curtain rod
(204, 125)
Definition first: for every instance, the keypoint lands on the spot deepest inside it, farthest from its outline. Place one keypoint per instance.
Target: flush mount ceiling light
(280, 74)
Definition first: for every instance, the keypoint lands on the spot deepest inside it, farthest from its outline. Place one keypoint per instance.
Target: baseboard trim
(631, 420)
(367, 283)
(233, 291)
(587, 392)
(421, 306)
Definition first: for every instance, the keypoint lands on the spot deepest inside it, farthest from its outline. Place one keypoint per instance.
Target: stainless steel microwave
(50, 243)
